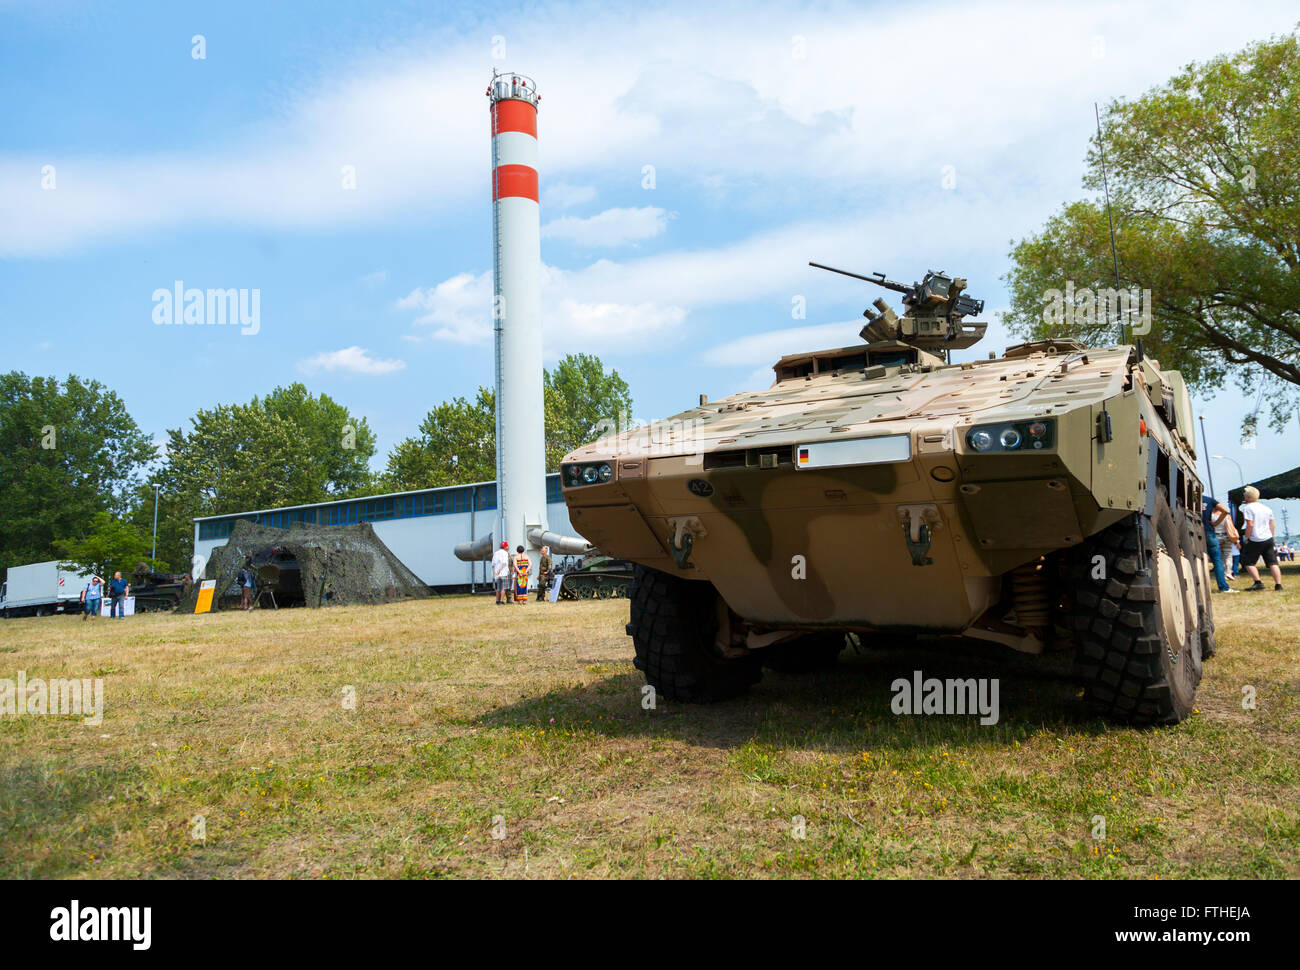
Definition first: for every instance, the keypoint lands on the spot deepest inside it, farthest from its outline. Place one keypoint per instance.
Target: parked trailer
(40, 589)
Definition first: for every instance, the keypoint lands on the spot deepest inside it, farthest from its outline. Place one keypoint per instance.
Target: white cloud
(350, 360)
(642, 303)
(562, 195)
(744, 117)
(375, 278)
(770, 346)
(613, 227)
(617, 324)
(459, 309)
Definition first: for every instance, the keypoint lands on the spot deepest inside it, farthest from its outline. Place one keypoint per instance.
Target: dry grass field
(473, 721)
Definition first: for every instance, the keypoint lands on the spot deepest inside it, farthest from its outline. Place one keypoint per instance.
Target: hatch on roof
(820, 362)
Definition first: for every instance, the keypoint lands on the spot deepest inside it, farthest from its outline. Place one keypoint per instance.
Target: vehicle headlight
(597, 473)
(1012, 436)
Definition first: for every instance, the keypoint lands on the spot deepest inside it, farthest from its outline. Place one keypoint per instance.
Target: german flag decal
(803, 456)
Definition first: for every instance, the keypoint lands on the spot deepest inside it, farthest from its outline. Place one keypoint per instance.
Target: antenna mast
(1101, 147)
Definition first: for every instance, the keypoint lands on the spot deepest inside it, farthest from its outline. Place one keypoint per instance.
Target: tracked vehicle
(596, 577)
(1043, 499)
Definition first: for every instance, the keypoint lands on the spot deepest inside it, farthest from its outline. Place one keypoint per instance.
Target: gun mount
(933, 316)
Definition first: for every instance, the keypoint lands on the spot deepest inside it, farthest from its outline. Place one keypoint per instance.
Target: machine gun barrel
(877, 278)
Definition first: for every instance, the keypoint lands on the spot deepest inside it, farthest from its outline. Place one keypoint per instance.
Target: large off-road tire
(806, 655)
(1136, 621)
(673, 626)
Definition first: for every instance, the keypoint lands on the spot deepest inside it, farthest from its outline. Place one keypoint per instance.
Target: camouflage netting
(340, 564)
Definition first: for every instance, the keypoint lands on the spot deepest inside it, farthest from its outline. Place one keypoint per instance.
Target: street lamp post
(1240, 473)
(1206, 445)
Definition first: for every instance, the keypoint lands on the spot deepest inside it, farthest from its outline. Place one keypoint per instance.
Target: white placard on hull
(853, 451)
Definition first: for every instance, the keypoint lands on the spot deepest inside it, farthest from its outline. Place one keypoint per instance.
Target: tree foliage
(457, 439)
(289, 448)
(341, 445)
(456, 443)
(67, 451)
(579, 397)
(108, 545)
(1205, 189)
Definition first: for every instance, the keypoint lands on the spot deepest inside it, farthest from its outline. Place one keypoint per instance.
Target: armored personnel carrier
(1044, 498)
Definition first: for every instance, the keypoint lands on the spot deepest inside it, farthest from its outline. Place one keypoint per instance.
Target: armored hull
(878, 488)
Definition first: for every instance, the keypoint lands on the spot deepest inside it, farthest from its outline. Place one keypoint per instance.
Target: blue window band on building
(436, 501)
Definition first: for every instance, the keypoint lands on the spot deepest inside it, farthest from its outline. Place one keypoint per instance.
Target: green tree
(67, 451)
(457, 439)
(341, 445)
(107, 546)
(582, 403)
(456, 443)
(175, 525)
(1205, 187)
(288, 448)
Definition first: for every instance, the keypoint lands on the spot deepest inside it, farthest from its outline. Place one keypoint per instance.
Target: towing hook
(682, 552)
(685, 529)
(919, 523)
(920, 547)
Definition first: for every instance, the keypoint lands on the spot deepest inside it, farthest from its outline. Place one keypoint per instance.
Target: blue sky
(875, 136)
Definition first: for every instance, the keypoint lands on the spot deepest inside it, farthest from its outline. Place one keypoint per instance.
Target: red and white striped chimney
(517, 313)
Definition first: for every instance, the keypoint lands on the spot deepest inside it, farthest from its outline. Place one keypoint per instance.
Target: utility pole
(1114, 255)
(1206, 445)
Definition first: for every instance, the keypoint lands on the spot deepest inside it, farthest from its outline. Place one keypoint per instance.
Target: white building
(420, 527)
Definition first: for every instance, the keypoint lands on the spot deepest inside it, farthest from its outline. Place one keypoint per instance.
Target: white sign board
(128, 606)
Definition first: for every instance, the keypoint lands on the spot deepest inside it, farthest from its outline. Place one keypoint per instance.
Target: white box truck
(39, 589)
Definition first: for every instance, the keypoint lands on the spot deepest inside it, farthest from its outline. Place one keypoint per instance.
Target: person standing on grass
(501, 571)
(1214, 515)
(246, 586)
(545, 574)
(92, 596)
(1258, 539)
(119, 589)
(521, 569)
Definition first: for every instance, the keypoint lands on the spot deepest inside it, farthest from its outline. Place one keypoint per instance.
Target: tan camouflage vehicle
(1045, 496)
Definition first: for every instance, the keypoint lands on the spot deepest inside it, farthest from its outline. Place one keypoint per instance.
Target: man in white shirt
(1257, 540)
(501, 571)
